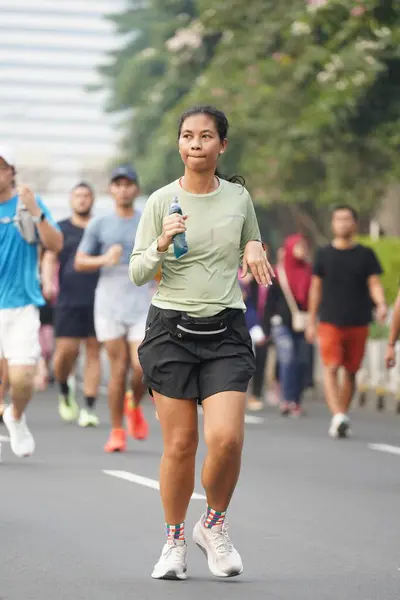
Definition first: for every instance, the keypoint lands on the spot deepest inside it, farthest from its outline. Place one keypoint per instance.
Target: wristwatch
(263, 244)
(40, 218)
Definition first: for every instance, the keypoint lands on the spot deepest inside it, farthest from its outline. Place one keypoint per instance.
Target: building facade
(58, 129)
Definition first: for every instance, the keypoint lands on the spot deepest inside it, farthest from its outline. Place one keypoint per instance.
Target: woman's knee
(225, 442)
(181, 445)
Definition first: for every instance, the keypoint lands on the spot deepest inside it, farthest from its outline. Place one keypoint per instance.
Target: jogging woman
(197, 347)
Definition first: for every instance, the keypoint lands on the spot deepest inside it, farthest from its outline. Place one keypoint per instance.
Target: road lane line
(252, 420)
(145, 481)
(385, 448)
(248, 419)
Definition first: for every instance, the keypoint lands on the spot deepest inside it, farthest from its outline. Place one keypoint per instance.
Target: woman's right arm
(153, 239)
(147, 257)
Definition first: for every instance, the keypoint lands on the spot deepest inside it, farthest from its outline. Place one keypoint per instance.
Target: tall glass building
(49, 50)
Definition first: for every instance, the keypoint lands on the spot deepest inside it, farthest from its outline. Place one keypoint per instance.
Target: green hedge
(378, 332)
(387, 250)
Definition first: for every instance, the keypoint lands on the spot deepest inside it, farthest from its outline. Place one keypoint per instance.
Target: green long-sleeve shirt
(205, 280)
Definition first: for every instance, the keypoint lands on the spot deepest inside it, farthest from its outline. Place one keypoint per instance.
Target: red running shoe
(136, 423)
(116, 441)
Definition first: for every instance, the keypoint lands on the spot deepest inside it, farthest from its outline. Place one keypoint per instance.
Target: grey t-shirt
(116, 297)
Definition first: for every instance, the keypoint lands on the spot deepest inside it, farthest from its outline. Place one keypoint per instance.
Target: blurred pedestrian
(46, 341)
(3, 386)
(286, 320)
(345, 287)
(25, 222)
(394, 333)
(251, 292)
(120, 309)
(74, 312)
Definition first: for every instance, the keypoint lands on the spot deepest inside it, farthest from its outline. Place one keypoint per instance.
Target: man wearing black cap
(120, 309)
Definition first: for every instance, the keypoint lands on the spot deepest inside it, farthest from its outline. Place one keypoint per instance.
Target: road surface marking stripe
(385, 448)
(151, 483)
(249, 419)
(252, 420)
(4, 438)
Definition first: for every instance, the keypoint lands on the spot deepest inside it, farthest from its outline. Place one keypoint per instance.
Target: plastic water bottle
(179, 240)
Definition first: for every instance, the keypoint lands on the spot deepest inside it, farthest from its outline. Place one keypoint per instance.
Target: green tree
(311, 89)
(164, 49)
(313, 92)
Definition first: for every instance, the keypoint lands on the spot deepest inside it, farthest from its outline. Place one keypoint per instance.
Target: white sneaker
(340, 426)
(21, 439)
(222, 557)
(172, 562)
(87, 418)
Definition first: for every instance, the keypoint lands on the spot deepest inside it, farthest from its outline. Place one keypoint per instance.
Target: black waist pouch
(201, 329)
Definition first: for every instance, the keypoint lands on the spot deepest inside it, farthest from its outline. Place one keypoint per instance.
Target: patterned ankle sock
(214, 518)
(175, 532)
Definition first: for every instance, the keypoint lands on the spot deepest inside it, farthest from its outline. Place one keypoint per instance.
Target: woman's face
(300, 250)
(199, 143)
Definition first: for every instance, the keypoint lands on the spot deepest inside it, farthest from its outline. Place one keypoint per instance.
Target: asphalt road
(314, 519)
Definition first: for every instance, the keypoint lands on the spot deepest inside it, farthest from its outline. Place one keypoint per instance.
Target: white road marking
(248, 419)
(385, 448)
(4, 438)
(151, 483)
(253, 420)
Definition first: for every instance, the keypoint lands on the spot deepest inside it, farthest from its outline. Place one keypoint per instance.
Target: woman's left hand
(255, 259)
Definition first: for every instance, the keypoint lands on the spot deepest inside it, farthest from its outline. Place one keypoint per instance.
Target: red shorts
(342, 346)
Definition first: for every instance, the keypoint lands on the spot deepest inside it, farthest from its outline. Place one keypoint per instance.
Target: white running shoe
(87, 418)
(172, 562)
(222, 557)
(340, 426)
(21, 439)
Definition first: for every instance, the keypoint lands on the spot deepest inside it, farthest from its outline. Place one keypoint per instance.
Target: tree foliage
(311, 89)
(165, 49)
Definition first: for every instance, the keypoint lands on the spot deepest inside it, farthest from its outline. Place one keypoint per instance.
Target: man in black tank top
(74, 320)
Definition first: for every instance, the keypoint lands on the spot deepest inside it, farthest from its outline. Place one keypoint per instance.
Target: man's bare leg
(137, 424)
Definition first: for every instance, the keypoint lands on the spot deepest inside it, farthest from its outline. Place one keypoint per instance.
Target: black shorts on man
(74, 322)
(177, 365)
(75, 303)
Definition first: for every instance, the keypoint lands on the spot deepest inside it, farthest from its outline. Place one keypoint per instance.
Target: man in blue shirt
(20, 296)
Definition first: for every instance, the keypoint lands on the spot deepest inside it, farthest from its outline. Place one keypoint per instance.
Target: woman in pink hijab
(286, 310)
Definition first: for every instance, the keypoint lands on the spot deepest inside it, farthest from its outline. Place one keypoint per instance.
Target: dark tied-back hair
(84, 184)
(222, 125)
(347, 207)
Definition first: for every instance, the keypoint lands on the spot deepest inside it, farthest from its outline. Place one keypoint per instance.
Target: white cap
(7, 155)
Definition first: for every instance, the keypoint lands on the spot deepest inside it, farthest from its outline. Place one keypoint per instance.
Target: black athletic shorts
(195, 369)
(46, 314)
(74, 322)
